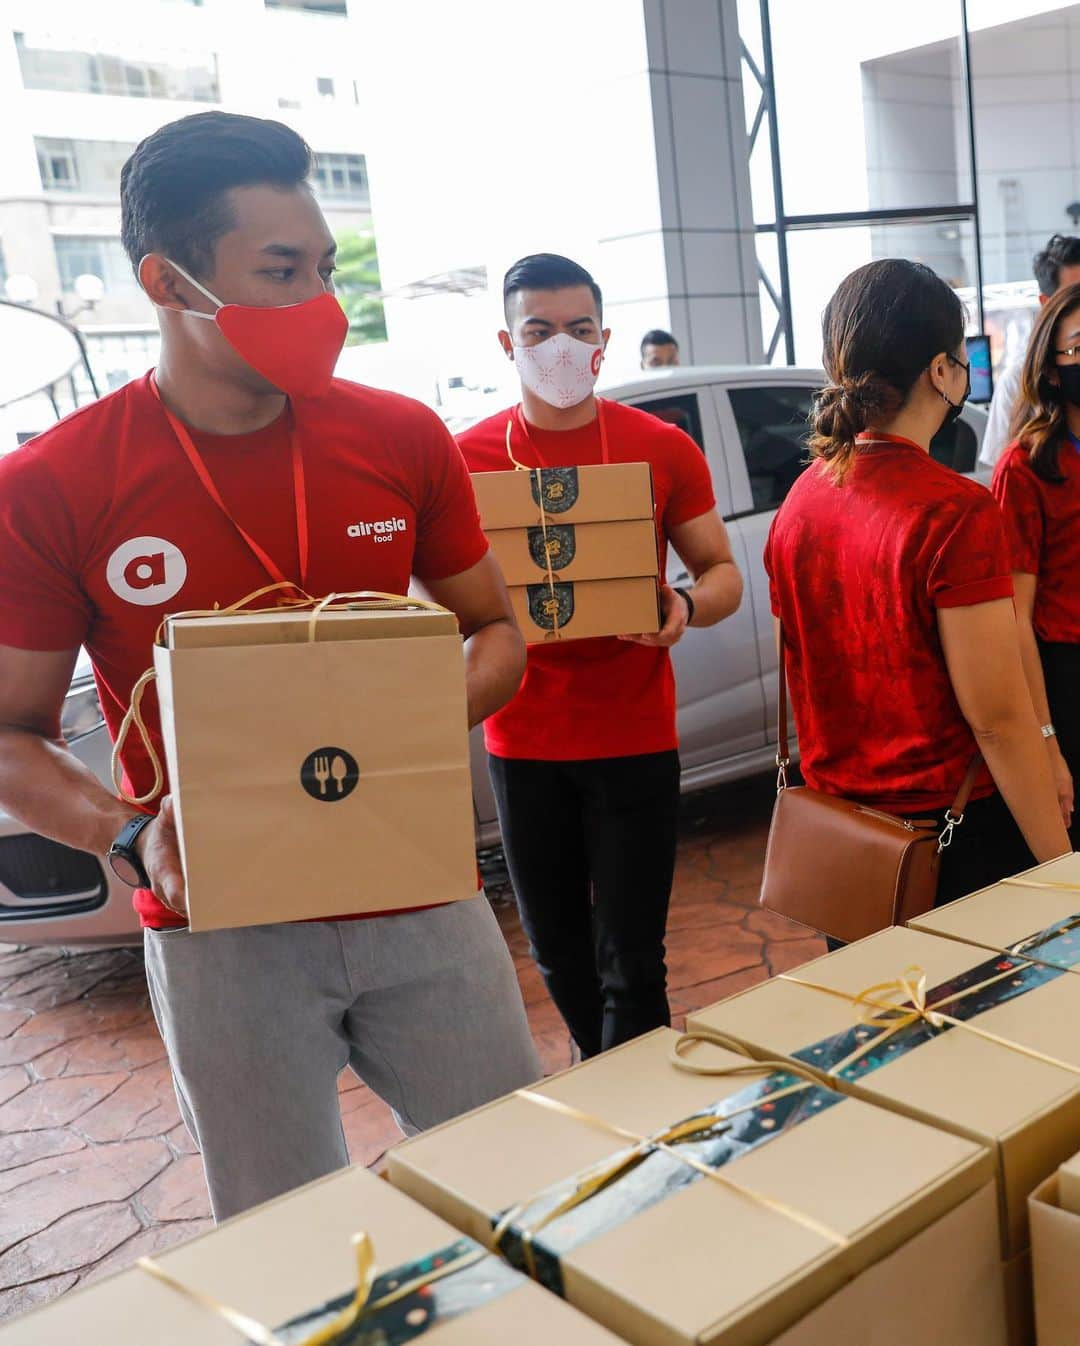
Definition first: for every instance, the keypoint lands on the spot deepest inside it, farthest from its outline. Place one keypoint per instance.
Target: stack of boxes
(577, 546)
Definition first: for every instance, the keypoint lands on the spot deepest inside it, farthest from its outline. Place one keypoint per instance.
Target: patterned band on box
(534, 1235)
(1003, 977)
(551, 606)
(554, 489)
(409, 1301)
(553, 547)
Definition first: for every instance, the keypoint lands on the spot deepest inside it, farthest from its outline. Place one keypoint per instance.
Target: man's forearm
(49, 790)
(717, 593)
(494, 666)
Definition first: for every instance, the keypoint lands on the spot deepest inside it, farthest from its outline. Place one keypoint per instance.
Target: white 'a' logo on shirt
(146, 571)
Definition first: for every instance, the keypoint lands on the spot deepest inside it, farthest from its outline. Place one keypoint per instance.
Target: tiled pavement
(96, 1168)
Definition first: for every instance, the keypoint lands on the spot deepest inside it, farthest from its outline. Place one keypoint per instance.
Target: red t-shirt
(857, 573)
(105, 527)
(1042, 525)
(603, 697)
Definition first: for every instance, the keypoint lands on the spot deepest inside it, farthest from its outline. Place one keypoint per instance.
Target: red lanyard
(195, 458)
(516, 416)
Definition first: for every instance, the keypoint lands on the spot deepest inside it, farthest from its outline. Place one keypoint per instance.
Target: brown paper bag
(317, 777)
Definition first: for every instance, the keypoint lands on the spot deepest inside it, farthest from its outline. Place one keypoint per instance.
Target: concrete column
(678, 249)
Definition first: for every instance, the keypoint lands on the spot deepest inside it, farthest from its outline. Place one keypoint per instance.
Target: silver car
(750, 423)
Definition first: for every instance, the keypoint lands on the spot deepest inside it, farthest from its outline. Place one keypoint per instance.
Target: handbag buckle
(951, 824)
(782, 764)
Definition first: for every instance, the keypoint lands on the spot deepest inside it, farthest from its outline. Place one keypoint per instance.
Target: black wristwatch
(124, 859)
(689, 604)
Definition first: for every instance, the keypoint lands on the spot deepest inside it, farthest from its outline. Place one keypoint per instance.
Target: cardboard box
(919, 1293)
(283, 628)
(317, 778)
(1055, 1256)
(1069, 1185)
(293, 1255)
(818, 1188)
(1026, 1110)
(1019, 1300)
(588, 551)
(1018, 915)
(595, 494)
(590, 608)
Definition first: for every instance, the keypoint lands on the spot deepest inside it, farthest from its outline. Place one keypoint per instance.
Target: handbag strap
(954, 814)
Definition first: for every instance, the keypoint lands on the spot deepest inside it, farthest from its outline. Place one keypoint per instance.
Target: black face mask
(955, 408)
(1069, 382)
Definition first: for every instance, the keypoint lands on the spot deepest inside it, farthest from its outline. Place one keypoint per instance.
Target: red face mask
(293, 346)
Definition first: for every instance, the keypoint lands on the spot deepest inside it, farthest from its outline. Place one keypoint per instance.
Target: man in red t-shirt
(238, 463)
(584, 760)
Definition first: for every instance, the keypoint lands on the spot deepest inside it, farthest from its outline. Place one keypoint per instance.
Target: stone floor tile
(23, 1148)
(143, 1105)
(22, 1298)
(75, 1241)
(57, 1102)
(178, 1193)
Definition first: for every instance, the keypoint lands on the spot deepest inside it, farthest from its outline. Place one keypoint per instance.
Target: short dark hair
(548, 271)
(1061, 250)
(658, 337)
(172, 187)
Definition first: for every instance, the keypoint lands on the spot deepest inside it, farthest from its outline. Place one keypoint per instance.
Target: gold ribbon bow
(895, 1005)
(370, 600)
(364, 1251)
(603, 1175)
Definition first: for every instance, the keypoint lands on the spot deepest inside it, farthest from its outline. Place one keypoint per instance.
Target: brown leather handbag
(842, 868)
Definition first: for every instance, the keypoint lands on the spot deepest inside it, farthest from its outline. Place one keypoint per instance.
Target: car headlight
(81, 713)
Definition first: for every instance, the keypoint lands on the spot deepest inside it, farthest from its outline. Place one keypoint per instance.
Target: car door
(764, 425)
(717, 670)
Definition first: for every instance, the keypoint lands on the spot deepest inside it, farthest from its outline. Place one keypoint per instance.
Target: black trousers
(590, 847)
(1061, 670)
(986, 847)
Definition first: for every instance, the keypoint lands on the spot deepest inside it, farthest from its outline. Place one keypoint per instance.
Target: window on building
(98, 72)
(324, 87)
(90, 255)
(341, 177)
(81, 165)
(312, 6)
(56, 163)
(773, 430)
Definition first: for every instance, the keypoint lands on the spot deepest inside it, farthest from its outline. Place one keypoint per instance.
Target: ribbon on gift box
(896, 1016)
(359, 600)
(391, 1309)
(536, 1233)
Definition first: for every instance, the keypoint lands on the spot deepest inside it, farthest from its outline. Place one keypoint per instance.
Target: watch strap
(125, 845)
(690, 609)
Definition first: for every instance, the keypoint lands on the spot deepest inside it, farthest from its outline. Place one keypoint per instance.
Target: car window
(679, 409)
(955, 446)
(773, 429)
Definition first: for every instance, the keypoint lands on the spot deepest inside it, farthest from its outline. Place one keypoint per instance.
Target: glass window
(680, 409)
(92, 72)
(81, 165)
(870, 108)
(342, 177)
(773, 430)
(819, 259)
(324, 87)
(104, 257)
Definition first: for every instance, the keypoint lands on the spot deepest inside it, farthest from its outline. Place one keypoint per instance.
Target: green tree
(356, 282)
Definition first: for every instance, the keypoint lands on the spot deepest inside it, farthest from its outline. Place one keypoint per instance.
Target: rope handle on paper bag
(347, 601)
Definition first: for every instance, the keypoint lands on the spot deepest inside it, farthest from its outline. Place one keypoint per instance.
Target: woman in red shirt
(1037, 484)
(892, 580)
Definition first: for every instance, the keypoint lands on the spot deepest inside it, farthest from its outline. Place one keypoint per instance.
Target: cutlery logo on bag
(329, 774)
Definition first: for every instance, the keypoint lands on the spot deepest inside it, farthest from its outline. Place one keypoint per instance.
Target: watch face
(124, 869)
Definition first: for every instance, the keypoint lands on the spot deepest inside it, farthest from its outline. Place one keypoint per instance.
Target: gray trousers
(259, 1023)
